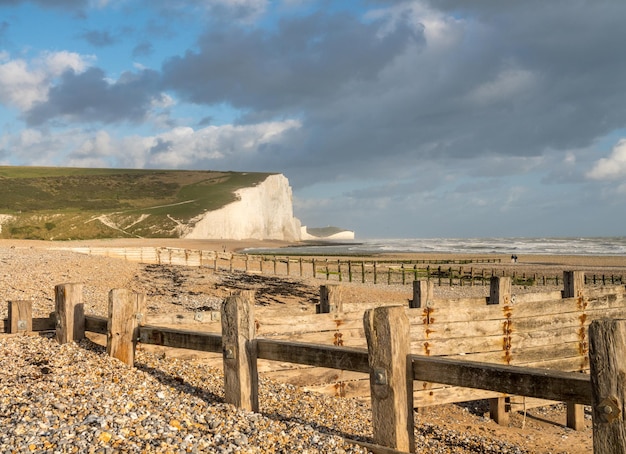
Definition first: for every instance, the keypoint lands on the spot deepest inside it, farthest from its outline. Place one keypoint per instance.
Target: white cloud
(22, 84)
(612, 167)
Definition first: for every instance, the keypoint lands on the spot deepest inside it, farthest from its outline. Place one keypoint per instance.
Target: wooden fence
(440, 272)
(503, 345)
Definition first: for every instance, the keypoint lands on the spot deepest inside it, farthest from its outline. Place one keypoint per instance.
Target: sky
(395, 119)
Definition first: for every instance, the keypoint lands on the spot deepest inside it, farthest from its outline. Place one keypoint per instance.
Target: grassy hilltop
(60, 203)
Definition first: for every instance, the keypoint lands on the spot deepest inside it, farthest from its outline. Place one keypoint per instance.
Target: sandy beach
(31, 269)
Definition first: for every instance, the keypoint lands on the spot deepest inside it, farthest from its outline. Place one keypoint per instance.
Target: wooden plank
(44, 323)
(308, 323)
(348, 388)
(532, 382)
(170, 337)
(475, 328)
(312, 376)
(210, 320)
(545, 308)
(461, 313)
(96, 324)
(442, 347)
(343, 338)
(451, 394)
(537, 297)
(344, 358)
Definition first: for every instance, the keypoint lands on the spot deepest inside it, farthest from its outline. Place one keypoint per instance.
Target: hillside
(54, 203)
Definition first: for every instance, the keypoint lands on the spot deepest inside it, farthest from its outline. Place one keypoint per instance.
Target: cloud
(305, 61)
(23, 83)
(613, 167)
(91, 97)
(99, 38)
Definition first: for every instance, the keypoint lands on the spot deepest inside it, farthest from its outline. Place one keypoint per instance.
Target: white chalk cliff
(262, 212)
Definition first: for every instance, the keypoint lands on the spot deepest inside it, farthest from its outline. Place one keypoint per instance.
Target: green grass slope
(60, 203)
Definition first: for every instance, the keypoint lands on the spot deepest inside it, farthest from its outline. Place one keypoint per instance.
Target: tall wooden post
(422, 292)
(607, 355)
(20, 316)
(574, 287)
(499, 293)
(239, 351)
(391, 381)
(330, 299)
(126, 313)
(70, 313)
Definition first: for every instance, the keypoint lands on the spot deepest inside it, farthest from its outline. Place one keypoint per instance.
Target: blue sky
(395, 118)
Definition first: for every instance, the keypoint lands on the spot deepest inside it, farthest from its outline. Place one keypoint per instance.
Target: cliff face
(263, 212)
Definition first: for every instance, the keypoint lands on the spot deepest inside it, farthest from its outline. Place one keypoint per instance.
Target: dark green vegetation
(73, 203)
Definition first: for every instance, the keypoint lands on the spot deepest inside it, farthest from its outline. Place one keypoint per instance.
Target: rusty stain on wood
(338, 340)
(426, 348)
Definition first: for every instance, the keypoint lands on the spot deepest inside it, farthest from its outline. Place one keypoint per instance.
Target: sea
(597, 246)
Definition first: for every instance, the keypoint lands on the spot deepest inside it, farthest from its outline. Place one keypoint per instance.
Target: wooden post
(574, 287)
(126, 313)
(500, 290)
(363, 272)
(607, 354)
(239, 351)
(573, 284)
(422, 292)
(20, 316)
(499, 293)
(330, 299)
(391, 381)
(70, 313)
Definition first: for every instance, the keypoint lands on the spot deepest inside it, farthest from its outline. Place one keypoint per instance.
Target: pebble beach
(74, 398)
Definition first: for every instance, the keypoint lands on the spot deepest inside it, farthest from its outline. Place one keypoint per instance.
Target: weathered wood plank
(96, 324)
(266, 327)
(451, 394)
(340, 337)
(169, 337)
(553, 385)
(344, 358)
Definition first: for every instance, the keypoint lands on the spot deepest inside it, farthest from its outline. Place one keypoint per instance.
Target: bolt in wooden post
(607, 354)
(574, 287)
(70, 313)
(126, 313)
(330, 299)
(20, 316)
(422, 292)
(239, 351)
(391, 381)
